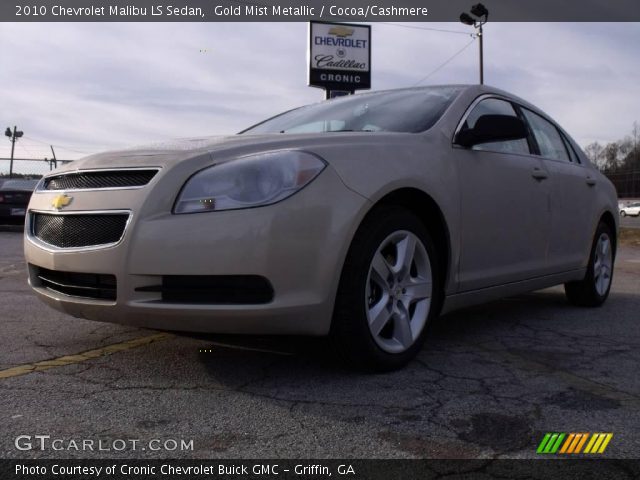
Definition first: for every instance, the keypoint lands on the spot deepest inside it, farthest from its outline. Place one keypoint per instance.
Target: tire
(623, 213)
(383, 304)
(594, 289)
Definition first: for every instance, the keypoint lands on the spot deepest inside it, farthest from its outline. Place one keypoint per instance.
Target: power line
(24, 147)
(431, 29)
(445, 62)
(37, 141)
(62, 147)
(343, 19)
(84, 152)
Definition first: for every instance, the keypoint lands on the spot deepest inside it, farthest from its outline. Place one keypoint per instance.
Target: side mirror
(492, 128)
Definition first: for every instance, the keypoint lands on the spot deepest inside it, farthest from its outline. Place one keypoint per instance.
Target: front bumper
(298, 245)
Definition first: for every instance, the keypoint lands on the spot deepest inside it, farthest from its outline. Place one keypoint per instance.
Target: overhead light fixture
(479, 10)
(466, 19)
(481, 14)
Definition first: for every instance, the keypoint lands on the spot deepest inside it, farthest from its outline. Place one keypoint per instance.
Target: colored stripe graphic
(556, 446)
(594, 437)
(581, 443)
(543, 443)
(573, 443)
(568, 442)
(550, 443)
(598, 442)
(607, 439)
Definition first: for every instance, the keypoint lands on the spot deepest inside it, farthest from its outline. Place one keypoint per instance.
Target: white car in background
(633, 209)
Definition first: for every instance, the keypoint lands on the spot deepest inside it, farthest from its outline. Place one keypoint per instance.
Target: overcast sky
(91, 87)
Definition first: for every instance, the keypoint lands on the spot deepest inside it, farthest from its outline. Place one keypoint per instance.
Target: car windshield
(19, 185)
(412, 110)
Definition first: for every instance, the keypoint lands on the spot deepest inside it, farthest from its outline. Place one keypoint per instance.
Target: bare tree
(594, 152)
(635, 132)
(611, 156)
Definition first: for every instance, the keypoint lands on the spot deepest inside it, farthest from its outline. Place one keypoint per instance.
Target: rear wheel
(594, 289)
(388, 291)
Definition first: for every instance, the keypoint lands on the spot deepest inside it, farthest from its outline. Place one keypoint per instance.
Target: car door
(572, 191)
(504, 207)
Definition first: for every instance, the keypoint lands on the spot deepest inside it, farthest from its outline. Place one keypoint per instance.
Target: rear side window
(495, 106)
(547, 136)
(572, 153)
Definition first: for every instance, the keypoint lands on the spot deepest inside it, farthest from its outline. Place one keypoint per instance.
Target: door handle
(539, 174)
(591, 181)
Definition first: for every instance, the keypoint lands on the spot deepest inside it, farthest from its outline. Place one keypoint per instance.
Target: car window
(546, 134)
(411, 110)
(19, 185)
(495, 106)
(572, 153)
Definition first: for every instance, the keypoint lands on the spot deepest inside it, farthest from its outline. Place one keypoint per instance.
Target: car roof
(469, 90)
(19, 184)
(466, 87)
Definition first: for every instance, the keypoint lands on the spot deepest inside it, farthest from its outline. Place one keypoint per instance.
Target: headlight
(251, 181)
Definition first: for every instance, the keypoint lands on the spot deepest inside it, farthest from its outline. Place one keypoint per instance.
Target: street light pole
(479, 18)
(481, 56)
(13, 137)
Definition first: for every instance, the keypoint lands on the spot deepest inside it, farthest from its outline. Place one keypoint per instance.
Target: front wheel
(623, 213)
(389, 290)
(594, 289)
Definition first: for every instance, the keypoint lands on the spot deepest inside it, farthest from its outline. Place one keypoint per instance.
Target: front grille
(96, 180)
(78, 230)
(85, 285)
(213, 289)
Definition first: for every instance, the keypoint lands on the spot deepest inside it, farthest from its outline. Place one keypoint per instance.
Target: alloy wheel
(398, 291)
(602, 264)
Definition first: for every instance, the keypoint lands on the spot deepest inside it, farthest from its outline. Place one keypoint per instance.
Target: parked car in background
(361, 218)
(632, 209)
(14, 198)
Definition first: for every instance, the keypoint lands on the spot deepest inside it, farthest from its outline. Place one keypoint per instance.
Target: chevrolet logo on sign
(341, 31)
(61, 201)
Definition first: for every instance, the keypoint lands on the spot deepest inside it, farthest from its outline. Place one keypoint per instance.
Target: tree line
(617, 157)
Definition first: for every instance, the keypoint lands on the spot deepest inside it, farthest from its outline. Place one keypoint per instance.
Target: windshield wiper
(332, 131)
(347, 130)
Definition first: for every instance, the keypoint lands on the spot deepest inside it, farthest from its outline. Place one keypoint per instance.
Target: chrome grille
(78, 230)
(96, 180)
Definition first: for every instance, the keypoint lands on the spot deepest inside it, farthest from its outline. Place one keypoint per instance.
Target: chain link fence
(627, 183)
(29, 167)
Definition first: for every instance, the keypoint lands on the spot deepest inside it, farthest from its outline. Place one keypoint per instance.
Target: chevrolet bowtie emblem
(341, 31)
(61, 201)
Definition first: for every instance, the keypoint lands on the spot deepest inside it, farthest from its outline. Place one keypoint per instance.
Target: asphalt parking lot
(630, 222)
(491, 381)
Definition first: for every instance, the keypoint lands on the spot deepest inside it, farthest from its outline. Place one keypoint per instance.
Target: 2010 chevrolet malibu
(361, 218)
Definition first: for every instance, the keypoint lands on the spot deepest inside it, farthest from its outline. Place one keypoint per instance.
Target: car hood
(223, 148)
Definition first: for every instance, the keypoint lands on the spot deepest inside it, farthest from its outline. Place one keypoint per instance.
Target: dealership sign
(339, 56)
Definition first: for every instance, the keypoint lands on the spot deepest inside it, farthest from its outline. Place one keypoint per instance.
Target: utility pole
(481, 55)
(55, 160)
(479, 18)
(13, 137)
(635, 165)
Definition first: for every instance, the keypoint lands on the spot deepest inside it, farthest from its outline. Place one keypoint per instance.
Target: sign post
(339, 57)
